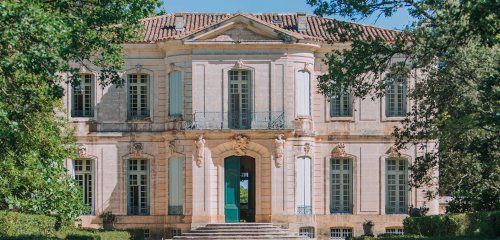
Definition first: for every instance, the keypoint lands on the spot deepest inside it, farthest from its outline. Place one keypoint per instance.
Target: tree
(39, 41)
(452, 51)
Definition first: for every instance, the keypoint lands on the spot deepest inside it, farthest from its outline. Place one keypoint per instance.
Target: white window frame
(87, 170)
(398, 173)
(307, 232)
(342, 172)
(138, 84)
(394, 230)
(91, 98)
(340, 233)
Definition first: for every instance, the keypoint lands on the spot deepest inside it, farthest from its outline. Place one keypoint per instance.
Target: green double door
(232, 189)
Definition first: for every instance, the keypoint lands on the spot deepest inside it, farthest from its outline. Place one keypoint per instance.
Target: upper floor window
(395, 97)
(396, 186)
(174, 94)
(303, 100)
(82, 102)
(138, 90)
(341, 185)
(341, 105)
(84, 176)
(138, 187)
(240, 116)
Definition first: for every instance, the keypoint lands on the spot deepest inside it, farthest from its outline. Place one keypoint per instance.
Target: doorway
(239, 189)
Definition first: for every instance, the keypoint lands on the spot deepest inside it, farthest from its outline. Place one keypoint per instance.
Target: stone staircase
(248, 231)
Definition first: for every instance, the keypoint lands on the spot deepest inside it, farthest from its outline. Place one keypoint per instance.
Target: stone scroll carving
(339, 151)
(136, 149)
(393, 152)
(279, 146)
(240, 145)
(200, 150)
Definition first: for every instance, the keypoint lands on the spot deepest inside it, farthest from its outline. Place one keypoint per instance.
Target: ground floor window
(303, 185)
(341, 185)
(340, 233)
(396, 186)
(172, 232)
(307, 232)
(84, 176)
(397, 231)
(175, 191)
(138, 187)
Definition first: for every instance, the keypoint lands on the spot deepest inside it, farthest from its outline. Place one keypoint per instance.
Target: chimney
(179, 21)
(301, 21)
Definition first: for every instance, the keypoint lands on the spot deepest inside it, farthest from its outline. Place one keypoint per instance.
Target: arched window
(341, 185)
(138, 95)
(303, 100)
(82, 104)
(175, 185)
(395, 97)
(396, 186)
(303, 185)
(175, 94)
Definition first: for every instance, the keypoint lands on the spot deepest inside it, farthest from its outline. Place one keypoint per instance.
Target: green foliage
(243, 195)
(40, 41)
(480, 224)
(452, 50)
(14, 224)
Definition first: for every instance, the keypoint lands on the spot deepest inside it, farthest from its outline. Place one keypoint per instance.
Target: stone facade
(204, 58)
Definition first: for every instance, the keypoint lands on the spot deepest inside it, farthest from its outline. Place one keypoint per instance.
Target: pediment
(242, 28)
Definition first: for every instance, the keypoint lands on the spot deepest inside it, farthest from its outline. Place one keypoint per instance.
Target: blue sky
(398, 21)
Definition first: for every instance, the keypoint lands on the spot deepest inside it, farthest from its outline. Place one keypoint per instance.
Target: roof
(162, 27)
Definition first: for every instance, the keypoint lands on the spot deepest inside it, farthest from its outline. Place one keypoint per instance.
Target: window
(303, 93)
(138, 187)
(396, 231)
(341, 185)
(138, 95)
(172, 232)
(239, 99)
(175, 94)
(175, 191)
(303, 168)
(84, 176)
(396, 186)
(340, 233)
(395, 98)
(341, 105)
(83, 94)
(307, 232)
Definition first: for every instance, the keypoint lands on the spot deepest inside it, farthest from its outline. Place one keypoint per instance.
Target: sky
(397, 21)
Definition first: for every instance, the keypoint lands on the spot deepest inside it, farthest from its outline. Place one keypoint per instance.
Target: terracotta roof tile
(162, 27)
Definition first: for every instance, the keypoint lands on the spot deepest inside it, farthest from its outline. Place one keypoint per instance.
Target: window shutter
(175, 94)
(303, 182)
(175, 183)
(303, 93)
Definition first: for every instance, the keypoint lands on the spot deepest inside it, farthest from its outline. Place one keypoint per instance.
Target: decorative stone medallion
(137, 149)
(240, 145)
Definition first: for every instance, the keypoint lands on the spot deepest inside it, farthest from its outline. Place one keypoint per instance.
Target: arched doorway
(239, 189)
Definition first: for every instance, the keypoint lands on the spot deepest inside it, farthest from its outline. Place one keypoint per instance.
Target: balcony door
(239, 99)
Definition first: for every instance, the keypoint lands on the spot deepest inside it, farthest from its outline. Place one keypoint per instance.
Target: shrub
(93, 234)
(14, 224)
(481, 224)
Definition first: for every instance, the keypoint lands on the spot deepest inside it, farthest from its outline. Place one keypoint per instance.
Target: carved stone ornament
(393, 152)
(200, 150)
(240, 145)
(308, 67)
(138, 68)
(239, 64)
(307, 149)
(137, 149)
(82, 151)
(279, 146)
(339, 151)
(171, 146)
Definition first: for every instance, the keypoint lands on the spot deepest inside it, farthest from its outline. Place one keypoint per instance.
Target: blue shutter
(175, 191)
(175, 94)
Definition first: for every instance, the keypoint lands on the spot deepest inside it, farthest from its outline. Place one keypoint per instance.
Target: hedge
(15, 225)
(480, 224)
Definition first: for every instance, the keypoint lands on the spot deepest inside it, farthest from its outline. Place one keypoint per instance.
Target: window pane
(340, 185)
(396, 186)
(83, 174)
(341, 105)
(82, 97)
(138, 187)
(395, 98)
(138, 91)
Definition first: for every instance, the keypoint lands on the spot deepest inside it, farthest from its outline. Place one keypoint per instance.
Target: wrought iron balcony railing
(224, 120)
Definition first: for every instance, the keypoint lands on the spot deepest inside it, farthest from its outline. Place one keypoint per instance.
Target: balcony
(224, 120)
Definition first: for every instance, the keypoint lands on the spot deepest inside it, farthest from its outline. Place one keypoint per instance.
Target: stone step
(239, 231)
